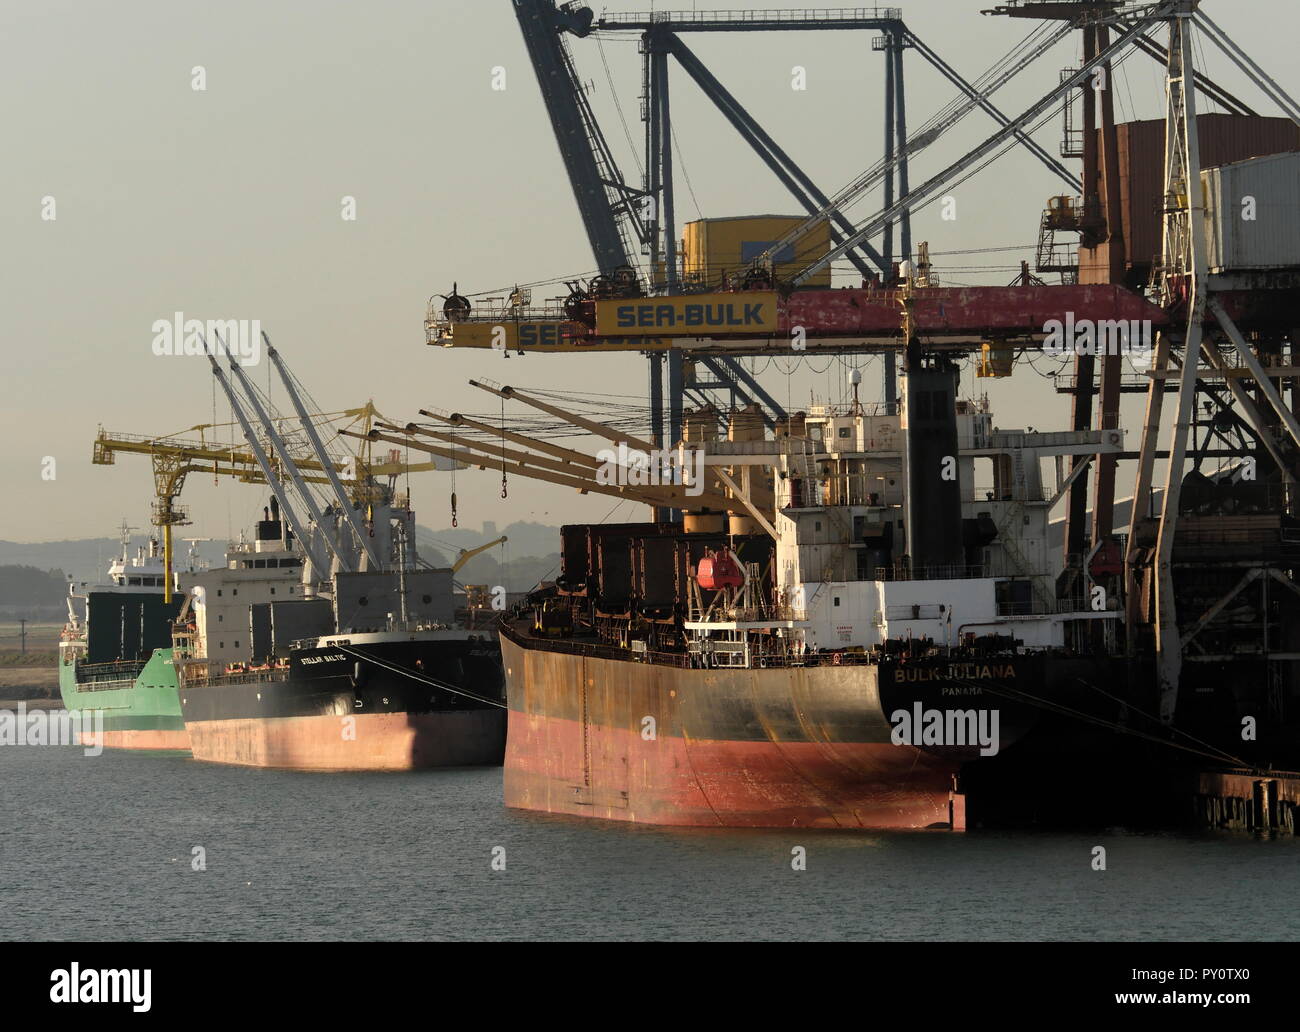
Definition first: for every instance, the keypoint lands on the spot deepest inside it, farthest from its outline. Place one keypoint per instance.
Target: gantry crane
(1217, 336)
(619, 217)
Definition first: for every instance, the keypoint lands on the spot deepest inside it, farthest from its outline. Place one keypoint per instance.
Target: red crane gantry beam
(837, 319)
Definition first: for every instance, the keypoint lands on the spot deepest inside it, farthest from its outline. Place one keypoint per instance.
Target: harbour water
(104, 848)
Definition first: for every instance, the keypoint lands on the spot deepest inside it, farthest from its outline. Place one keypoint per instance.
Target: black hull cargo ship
(379, 701)
(361, 670)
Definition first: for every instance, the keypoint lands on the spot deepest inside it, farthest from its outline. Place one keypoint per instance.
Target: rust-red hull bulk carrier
(809, 672)
(801, 746)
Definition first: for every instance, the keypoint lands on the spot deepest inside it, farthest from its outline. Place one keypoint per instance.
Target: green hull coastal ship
(115, 654)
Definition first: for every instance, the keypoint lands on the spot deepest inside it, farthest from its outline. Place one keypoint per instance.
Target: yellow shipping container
(714, 248)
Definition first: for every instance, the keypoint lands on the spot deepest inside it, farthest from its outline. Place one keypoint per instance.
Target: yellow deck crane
(466, 554)
(477, 596)
(175, 456)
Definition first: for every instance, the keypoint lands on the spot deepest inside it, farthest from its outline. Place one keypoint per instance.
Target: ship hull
(377, 741)
(805, 746)
(722, 783)
(138, 712)
(330, 711)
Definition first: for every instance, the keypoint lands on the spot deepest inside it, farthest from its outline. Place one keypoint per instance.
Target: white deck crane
(314, 566)
(345, 504)
(318, 519)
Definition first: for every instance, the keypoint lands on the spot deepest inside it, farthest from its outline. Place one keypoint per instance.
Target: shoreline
(31, 704)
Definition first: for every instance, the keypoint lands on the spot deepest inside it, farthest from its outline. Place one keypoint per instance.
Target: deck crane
(322, 535)
(466, 554)
(174, 457)
(314, 566)
(345, 504)
(287, 463)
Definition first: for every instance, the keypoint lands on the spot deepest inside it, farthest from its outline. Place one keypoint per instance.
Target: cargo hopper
(836, 654)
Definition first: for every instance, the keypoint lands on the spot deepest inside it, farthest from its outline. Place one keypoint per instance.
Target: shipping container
(1141, 150)
(1252, 214)
(712, 249)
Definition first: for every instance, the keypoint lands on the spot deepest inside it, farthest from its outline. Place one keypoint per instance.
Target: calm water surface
(100, 848)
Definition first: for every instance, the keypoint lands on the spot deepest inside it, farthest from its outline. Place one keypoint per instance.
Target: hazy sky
(226, 203)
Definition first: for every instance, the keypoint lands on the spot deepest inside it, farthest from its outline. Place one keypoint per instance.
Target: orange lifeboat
(719, 571)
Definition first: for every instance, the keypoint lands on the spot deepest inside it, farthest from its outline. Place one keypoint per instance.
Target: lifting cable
(504, 489)
(418, 676)
(454, 462)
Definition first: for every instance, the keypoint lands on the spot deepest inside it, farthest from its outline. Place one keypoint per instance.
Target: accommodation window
(837, 600)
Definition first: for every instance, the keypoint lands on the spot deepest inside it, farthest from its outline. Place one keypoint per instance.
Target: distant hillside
(87, 559)
(517, 575)
(530, 554)
(525, 538)
(27, 591)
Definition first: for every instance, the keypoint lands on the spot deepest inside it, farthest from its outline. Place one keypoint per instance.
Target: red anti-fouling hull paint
(375, 741)
(709, 783)
(137, 739)
(737, 748)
